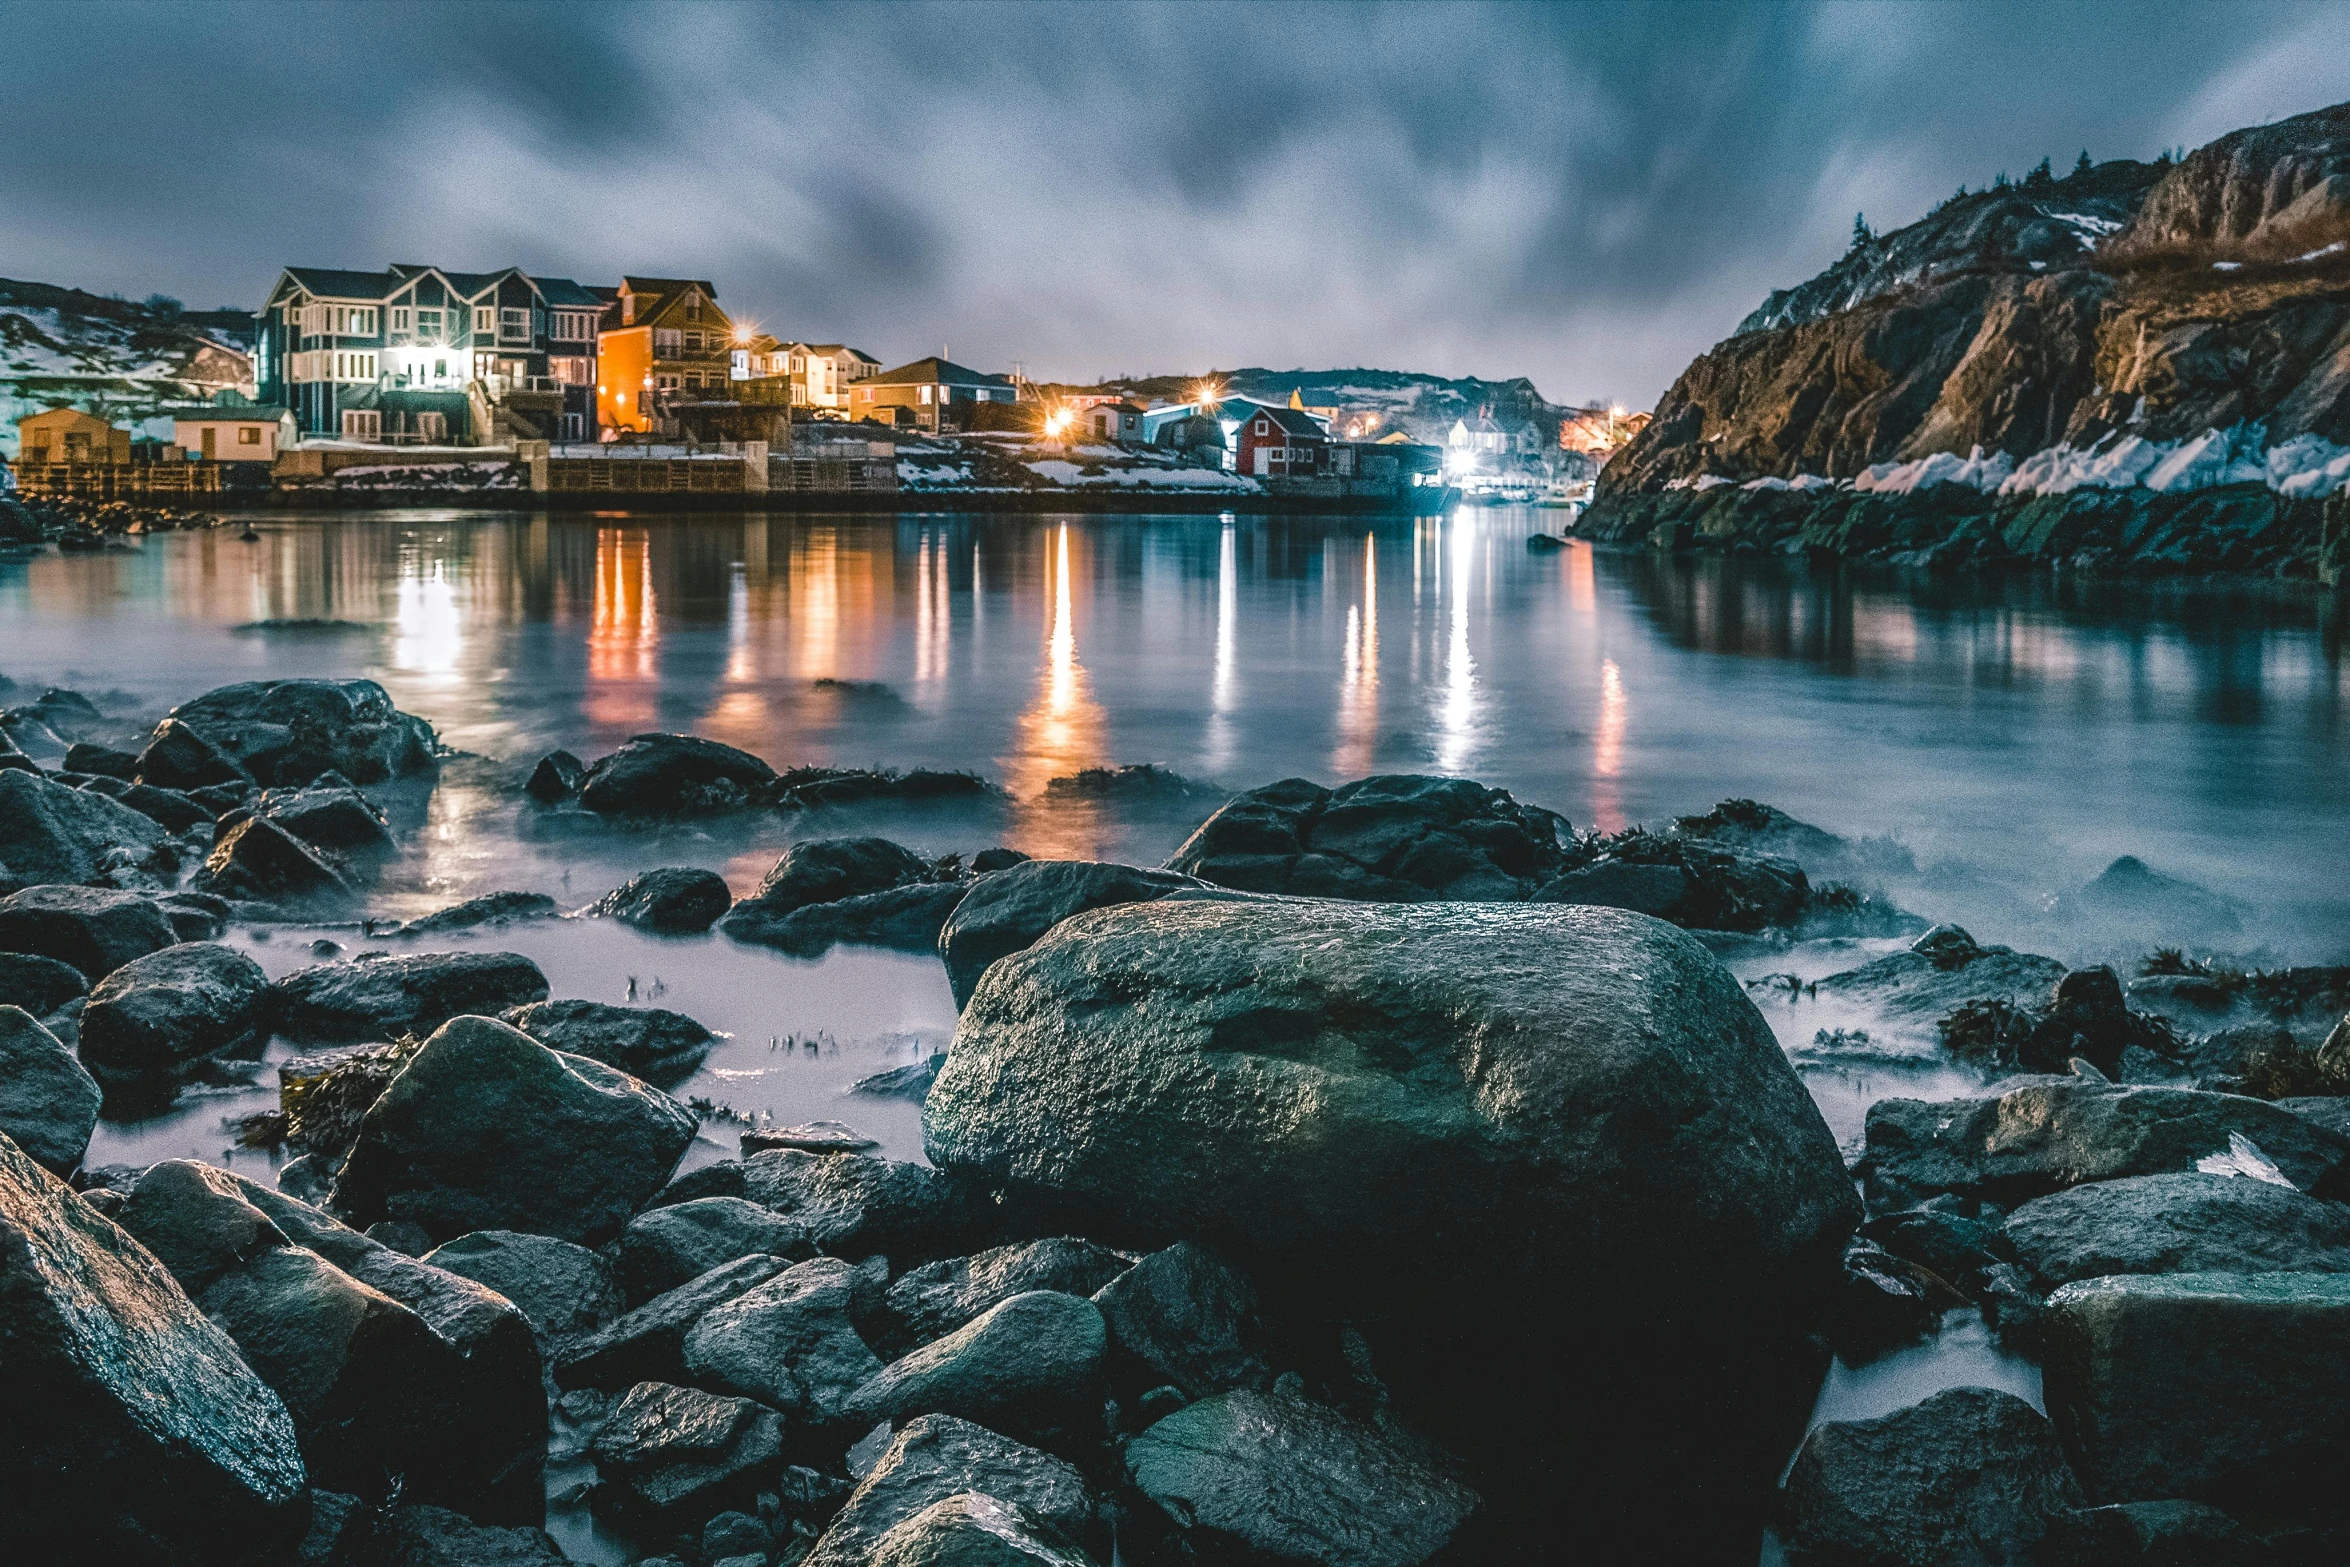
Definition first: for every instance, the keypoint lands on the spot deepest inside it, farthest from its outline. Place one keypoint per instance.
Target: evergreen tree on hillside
(1862, 235)
(2040, 177)
(2084, 166)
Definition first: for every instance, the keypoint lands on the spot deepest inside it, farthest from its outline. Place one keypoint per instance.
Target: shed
(70, 435)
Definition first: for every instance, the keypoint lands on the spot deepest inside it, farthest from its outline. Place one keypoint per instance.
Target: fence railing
(117, 481)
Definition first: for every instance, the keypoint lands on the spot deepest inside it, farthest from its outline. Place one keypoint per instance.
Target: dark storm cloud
(1587, 195)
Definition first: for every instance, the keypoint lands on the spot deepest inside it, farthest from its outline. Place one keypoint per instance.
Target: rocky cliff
(2160, 328)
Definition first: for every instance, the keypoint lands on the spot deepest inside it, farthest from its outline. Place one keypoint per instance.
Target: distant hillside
(2052, 324)
(61, 346)
(1425, 406)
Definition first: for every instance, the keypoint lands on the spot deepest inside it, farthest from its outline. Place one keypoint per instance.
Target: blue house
(418, 355)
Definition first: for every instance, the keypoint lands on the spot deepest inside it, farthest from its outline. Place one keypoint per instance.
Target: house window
(400, 318)
(514, 324)
(428, 323)
(665, 383)
(693, 307)
(693, 342)
(362, 424)
(668, 341)
(485, 319)
(249, 435)
(924, 394)
(1261, 427)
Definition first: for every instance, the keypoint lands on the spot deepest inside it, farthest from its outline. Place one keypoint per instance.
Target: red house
(1282, 443)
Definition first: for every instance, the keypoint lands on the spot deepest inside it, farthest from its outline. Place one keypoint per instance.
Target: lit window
(249, 435)
(485, 318)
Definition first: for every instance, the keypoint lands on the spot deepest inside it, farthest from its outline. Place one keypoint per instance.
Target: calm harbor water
(2014, 736)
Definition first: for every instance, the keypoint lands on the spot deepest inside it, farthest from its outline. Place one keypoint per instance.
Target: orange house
(624, 379)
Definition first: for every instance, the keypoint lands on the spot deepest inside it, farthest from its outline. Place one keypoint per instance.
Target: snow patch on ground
(1803, 483)
(1070, 475)
(2303, 468)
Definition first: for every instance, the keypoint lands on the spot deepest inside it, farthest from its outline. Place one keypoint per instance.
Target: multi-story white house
(822, 373)
(417, 353)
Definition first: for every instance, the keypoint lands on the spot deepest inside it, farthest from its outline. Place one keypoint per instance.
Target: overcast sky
(1587, 195)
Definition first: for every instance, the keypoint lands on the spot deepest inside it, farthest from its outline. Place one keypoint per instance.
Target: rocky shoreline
(2243, 530)
(1394, 1176)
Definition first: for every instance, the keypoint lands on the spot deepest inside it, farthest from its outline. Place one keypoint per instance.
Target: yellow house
(222, 432)
(69, 435)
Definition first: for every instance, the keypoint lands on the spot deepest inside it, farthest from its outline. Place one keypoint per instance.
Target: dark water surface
(2014, 736)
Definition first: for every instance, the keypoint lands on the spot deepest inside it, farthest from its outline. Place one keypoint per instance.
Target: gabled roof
(935, 369)
(1292, 421)
(839, 348)
(336, 283)
(667, 285)
(563, 294)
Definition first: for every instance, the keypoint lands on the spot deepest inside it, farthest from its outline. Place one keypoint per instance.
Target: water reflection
(2028, 730)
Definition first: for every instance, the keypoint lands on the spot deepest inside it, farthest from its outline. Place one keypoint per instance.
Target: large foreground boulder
(138, 1432)
(1971, 1475)
(564, 1290)
(653, 1043)
(2047, 1136)
(488, 1129)
(1393, 838)
(787, 1343)
(160, 1012)
(95, 930)
(50, 833)
(48, 1102)
(937, 1457)
(379, 998)
(1008, 910)
(2226, 1388)
(2177, 1224)
(260, 861)
(1030, 1368)
(1274, 1477)
(675, 1455)
(970, 1528)
(674, 775)
(1542, 1103)
(932, 1301)
(288, 732)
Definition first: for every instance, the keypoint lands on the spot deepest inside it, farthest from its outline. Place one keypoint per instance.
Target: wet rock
(1289, 1083)
(902, 1082)
(1950, 1246)
(328, 813)
(809, 1137)
(423, 1536)
(649, 1342)
(94, 930)
(490, 910)
(1191, 1320)
(674, 775)
(939, 1456)
(260, 861)
(288, 732)
(998, 858)
(2142, 901)
(556, 778)
(1970, 1475)
(1615, 884)
(330, 1318)
(39, 985)
(1765, 829)
(197, 916)
(1273, 1477)
(971, 1528)
(1942, 970)
(787, 1342)
(2226, 1388)
(2045, 1137)
(488, 1129)
(564, 1290)
(325, 1096)
(932, 1301)
(2330, 1112)
(1007, 911)
(816, 788)
(906, 918)
(1884, 1303)
(1030, 1368)
(2177, 1224)
(2152, 1534)
(177, 757)
(826, 870)
(670, 1246)
(671, 1456)
(674, 900)
(372, 997)
(50, 833)
(1393, 838)
(653, 1043)
(735, 1534)
(854, 1206)
(103, 760)
(160, 1012)
(1714, 888)
(167, 808)
(48, 1103)
(719, 1178)
(155, 1441)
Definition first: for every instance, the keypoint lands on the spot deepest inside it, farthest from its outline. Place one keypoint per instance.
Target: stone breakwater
(1395, 1176)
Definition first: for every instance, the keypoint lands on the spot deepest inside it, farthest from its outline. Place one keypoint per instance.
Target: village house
(420, 354)
(664, 340)
(232, 431)
(1486, 436)
(70, 435)
(929, 394)
(1111, 420)
(822, 373)
(1282, 443)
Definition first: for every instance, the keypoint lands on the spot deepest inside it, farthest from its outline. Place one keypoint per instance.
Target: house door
(1264, 461)
(211, 442)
